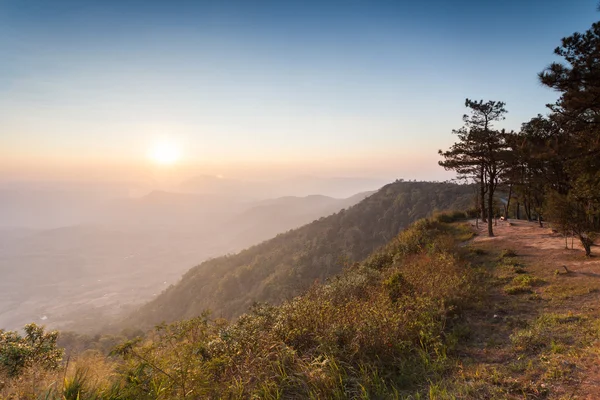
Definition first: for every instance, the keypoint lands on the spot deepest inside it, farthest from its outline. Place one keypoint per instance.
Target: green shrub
(523, 283)
(396, 286)
(478, 251)
(380, 260)
(37, 348)
(449, 216)
(527, 280)
(517, 290)
(473, 213)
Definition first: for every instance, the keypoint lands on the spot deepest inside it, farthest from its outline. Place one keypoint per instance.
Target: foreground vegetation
(383, 328)
(430, 315)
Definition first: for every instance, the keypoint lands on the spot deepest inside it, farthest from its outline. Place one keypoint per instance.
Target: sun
(164, 152)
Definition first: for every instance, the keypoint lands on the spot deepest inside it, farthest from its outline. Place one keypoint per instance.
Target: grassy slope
(526, 329)
(379, 329)
(425, 317)
(288, 264)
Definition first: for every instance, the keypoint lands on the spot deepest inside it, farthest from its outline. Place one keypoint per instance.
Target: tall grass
(382, 329)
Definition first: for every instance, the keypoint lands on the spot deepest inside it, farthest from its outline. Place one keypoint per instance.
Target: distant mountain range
(121, 251)
(44, 205)
(286, 265)
(129, 249)
(341, 187)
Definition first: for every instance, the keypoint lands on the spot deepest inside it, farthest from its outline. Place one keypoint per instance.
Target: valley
(83, 276)
(291, 200)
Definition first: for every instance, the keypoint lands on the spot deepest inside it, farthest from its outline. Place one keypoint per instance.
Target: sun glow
(164, 152)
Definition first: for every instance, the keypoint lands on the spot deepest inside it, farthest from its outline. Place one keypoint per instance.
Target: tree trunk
(587, 244)
(483, 210)
(588, 249)
(518, 210)
(482, 195)
(508, 202)
(490, 211)
(540, 220)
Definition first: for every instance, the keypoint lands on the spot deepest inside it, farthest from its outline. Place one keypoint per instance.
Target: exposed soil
(566, 290)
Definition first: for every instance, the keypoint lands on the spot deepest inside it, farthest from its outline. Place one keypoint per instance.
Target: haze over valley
(284, 199)
(73, 255)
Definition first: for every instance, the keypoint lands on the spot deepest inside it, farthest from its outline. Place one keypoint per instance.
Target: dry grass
(536, 334)
(494, 318)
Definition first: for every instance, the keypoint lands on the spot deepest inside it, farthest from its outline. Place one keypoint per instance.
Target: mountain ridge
(285, 265)
(141, 244)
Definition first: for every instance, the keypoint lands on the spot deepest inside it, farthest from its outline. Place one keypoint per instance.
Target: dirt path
(542, 243)
(537, 334)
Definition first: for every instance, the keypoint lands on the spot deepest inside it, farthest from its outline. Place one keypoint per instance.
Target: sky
(88, 89)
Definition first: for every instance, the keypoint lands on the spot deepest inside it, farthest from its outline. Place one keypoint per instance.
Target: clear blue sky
(348, 85)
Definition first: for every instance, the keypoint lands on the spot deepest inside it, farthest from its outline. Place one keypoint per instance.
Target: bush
(473, 213)
(37, 348)
(517, 289)
(478, 251)
(449, 216)
(380, 260)
(522, 283)
(396, 286)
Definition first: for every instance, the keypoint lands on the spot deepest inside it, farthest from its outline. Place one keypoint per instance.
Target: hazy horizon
(299, 199)
(139, 138)
(151, 91)
(378, 167)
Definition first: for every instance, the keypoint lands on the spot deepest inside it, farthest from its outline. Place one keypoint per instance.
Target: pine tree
(481, 152)
(578, 111)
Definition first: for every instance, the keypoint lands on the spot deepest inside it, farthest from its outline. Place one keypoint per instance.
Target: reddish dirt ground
(574, 290)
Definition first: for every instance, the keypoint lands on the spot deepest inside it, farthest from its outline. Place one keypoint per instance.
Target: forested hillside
(80, 276)
(381, 328)
(284, 266)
